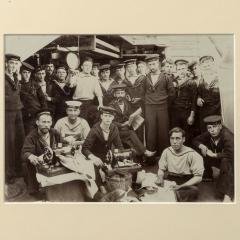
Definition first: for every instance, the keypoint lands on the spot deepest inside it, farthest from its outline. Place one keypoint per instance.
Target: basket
(119, 182)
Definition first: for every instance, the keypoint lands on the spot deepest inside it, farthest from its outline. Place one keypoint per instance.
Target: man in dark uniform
(14, 130)
(135, 89)
(122, 120)
(195, 70)
(59, 95)
(208, 90)
(119, 75)
(46, 86)
(159, 92)
(217, 148)
(184, 105)
(106, 83)
(32, 97)
(50, 71)
(42, 138)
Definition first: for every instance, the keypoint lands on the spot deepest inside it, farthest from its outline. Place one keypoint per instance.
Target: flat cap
(152, 57)
(119, 86)
(49, 61)
(107, 109)
(130, 61)
(141, 61)
(73, 104)
(26, 66)
(213, 119)
(61, 67)
(204, 58)
(96, 64)
(104, 67)
(119, 65)
(10, 56)
(44, 111)
(39, 68)
(181, 61)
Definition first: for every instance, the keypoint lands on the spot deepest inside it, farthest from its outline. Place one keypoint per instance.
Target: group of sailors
(97, 104)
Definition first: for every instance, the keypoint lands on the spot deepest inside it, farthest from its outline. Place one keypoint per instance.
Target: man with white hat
(72, 127)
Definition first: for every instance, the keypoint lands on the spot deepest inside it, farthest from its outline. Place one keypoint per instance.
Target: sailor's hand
(203, 149)
(96, 161)
(211, 154)
(34, 160)
(200, 102)
(190, 120)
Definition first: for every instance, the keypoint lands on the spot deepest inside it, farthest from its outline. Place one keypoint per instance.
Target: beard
(44, 130)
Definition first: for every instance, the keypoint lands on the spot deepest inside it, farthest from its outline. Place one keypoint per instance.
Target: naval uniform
(224, 149)
(59, 96)
(127, 134)
(14, 129)
(181, 167)
(136, 93)
(158, 97)
(107, 91)
(33, 100)
(79, 129)
(210, 93)
(182, 105)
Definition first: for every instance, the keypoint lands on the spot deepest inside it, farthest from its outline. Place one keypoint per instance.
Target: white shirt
(186, 162)
(80, 128)
(87, 87)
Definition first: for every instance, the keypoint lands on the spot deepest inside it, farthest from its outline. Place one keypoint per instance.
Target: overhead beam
(107, 45)
(104, 52)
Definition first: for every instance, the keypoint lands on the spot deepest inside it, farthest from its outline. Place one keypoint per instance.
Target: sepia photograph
(112, 118)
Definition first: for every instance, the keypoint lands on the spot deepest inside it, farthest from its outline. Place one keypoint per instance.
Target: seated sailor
(72, 127)
(123, 121)
(39, 140)
(181, 164)
(217, 148)
(104, 136)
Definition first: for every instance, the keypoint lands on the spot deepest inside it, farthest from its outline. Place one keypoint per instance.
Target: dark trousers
(130, 140)
(14, 138)
(157, 128)
(185, 194)
(30, 172)
(225, 180)
(89, 112)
